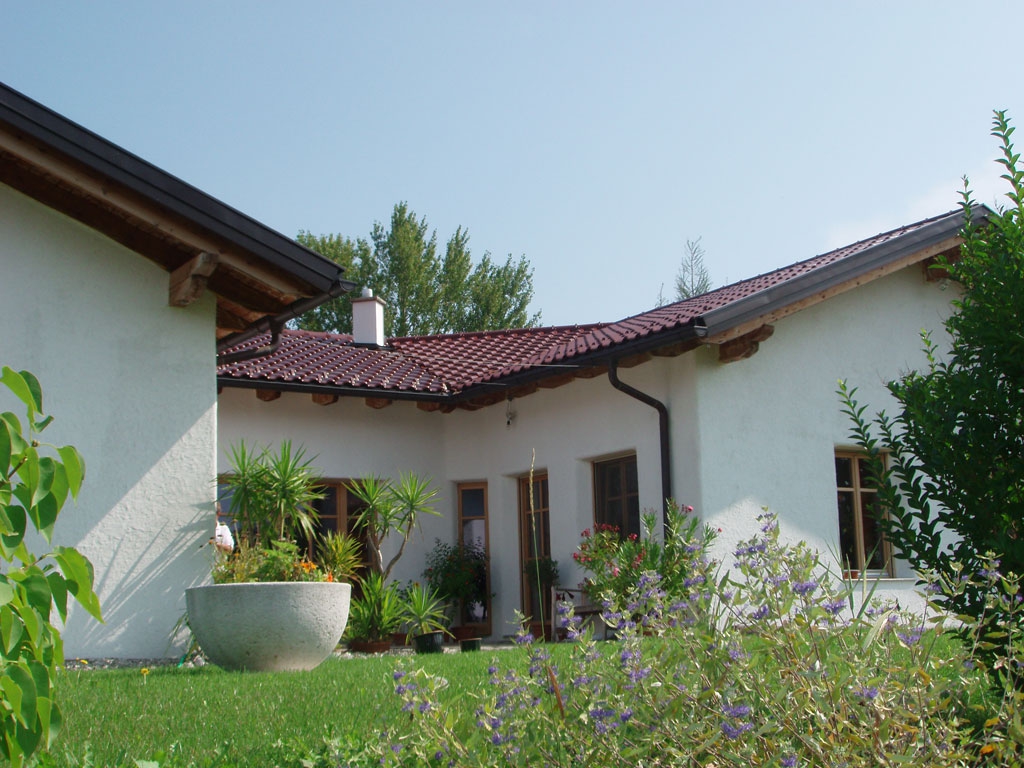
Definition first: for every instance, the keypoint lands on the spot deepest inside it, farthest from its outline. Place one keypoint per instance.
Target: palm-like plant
(391, 508)
(272, 494)
(341, 555)
(377, 613)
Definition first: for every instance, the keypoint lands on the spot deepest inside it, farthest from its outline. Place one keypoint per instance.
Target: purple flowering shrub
(766, 665)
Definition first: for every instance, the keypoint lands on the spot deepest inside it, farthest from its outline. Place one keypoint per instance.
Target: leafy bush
(765, 666)
(35, 482)
(954, 489)
(281, 561)
(458, 572)
(614, 564)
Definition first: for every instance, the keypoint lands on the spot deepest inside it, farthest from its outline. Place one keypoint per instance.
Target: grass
(123, 714)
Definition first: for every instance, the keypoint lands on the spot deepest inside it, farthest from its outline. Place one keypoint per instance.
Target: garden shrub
(35, 481)
(764, 666)
(954, 488)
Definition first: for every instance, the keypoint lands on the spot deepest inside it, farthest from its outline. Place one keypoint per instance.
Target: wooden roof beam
(189, 280)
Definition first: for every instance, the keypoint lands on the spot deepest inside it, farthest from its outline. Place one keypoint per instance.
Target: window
(617, 495)
(337, 511)
(473, 530)
(861, 543)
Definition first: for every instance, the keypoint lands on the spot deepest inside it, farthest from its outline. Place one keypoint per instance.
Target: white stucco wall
(769, 425)
(130, 382)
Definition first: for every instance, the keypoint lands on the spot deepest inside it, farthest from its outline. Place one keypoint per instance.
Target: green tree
(954, 487)
(335, 315)
(425, 292)
(692, 279)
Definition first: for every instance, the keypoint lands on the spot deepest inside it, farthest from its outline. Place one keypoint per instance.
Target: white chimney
(368, 319)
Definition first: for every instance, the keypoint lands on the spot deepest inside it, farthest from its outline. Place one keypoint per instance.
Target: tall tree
(425, 293)
(335, 315)
(692, 279)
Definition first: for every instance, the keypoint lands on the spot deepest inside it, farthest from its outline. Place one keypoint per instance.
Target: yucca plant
(391, 508)
(272, 494)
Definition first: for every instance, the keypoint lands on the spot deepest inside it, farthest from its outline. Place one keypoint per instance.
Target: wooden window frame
(526, 587)
(601, 500)
(857, 491)
(484, 626)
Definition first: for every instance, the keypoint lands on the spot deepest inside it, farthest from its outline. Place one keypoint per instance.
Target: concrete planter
(269, 626)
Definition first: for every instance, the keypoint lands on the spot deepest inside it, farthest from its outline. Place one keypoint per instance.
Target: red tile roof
(449, 364)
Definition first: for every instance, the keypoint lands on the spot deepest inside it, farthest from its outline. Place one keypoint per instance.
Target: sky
(595, 138)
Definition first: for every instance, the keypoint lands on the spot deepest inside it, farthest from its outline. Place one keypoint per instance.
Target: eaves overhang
(50, 130)
(819, 281)
(309, 388)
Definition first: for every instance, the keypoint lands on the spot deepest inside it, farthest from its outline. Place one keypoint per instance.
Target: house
(155, 318)
(726, 402)
(119, 282)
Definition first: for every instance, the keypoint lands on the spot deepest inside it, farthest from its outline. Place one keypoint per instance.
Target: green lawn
(123, 713)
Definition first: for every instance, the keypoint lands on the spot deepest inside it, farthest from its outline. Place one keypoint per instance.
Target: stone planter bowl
(268, 626)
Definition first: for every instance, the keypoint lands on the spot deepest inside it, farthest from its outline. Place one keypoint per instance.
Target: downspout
(666, 448)
(275, 324)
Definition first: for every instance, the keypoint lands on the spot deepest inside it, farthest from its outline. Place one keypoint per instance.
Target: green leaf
(6, 592)
(26, 707)
(31, 621)
(74, 467)
(44, 515)
(46, 472)
(11, 629)
(79, 574)
(37, 591)
(5, 449)
(12, 692)
(59, 591)
(10, 542)
(26, 390)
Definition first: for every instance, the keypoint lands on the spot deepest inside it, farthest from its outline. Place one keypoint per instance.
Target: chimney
(368, 320)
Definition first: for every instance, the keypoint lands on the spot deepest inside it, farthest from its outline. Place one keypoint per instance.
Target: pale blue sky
(593, 137)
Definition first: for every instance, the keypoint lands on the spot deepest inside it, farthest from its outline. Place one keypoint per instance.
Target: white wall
(130, 382)
(769, 425)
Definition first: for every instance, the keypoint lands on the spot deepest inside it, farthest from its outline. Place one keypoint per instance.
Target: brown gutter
(663, 434)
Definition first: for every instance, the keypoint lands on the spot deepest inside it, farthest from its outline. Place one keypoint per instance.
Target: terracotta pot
(369, 646)
(268, 626)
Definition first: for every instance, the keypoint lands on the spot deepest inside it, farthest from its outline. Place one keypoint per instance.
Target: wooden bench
(585, 610)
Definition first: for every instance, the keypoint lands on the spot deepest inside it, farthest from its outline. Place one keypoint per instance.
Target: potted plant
(425, 618)
(375, 616)
(458, 573)
(270, 607)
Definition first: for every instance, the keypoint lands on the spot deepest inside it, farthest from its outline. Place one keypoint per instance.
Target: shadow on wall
(146, 543)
